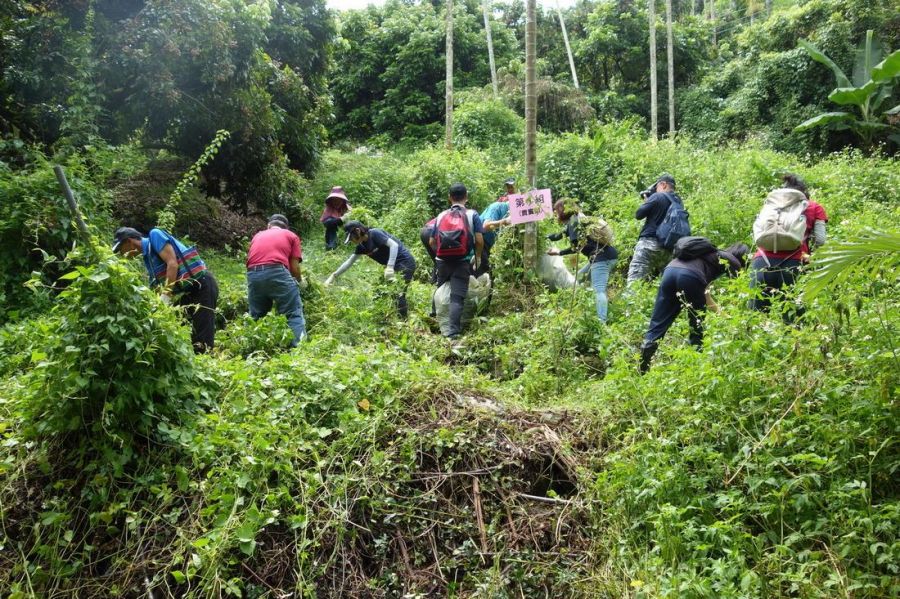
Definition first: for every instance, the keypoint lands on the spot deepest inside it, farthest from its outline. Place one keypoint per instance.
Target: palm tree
(530, 247)
(448, 99)
(562, 24)
(651, 9)
(671, 61)
(490, 44)
(870, 252)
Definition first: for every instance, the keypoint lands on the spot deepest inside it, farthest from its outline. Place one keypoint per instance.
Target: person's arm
(393, 248)
(479, 248)
(711, 305)
(556, 236)
(345, 266)
(167, 253)
(294, 267)
(647, 207)
(818, 235)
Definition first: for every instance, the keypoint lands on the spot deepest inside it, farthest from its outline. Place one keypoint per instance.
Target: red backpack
(453, 232)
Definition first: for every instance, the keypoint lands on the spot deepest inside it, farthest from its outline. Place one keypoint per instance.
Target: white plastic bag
(554, 274)
(476, 300)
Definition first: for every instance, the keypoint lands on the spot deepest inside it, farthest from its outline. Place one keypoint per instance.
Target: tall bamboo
(530, 244)
(651, 10)
(448, 100)
(490, 43)
(670, 58)
(562, 24)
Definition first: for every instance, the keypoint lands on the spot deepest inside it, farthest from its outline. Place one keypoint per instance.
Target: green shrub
(118, 364)
(488, 124)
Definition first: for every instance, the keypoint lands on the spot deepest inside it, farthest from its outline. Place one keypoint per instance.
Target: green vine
(166, 219)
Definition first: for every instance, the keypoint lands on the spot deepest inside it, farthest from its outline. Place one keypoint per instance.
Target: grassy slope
(379, 460)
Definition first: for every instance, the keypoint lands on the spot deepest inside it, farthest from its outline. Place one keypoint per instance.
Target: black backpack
(691, 247)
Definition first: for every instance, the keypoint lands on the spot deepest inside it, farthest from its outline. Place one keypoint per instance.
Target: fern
(870, 252)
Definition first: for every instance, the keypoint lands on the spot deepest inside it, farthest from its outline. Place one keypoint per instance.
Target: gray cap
(123, 233)
(667, 178)
(279, 219)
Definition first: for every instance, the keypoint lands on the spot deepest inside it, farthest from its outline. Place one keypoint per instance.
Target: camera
(648, 192)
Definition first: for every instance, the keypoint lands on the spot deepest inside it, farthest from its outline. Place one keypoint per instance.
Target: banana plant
(872, 85)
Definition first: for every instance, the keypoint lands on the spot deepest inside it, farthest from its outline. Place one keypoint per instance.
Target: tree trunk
(670, 58)
(712, 17)
(490, 43)
(651, 9)
(768, 7)
(530, 246)
(448, 100)
(562, 24)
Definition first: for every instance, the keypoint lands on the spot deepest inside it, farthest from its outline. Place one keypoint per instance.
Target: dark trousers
(407, 273)
(679, 286)
(773, 278)
(457, 272)
(425, 238)
(485, 264)
(331, 227)
(199, 302)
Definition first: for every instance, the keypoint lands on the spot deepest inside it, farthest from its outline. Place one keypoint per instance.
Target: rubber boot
(648, 348)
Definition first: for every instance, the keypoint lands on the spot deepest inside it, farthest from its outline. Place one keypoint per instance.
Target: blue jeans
(599, 277)
(277, 285)
(679, 287)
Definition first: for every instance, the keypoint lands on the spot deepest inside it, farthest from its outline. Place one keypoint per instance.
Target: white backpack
(781, 224)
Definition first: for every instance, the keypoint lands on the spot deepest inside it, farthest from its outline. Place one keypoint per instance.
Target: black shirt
(654, 210)
(590, 248)
(709, 266)
(376, 247)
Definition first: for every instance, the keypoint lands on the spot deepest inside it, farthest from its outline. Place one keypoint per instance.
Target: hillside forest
(170, 428)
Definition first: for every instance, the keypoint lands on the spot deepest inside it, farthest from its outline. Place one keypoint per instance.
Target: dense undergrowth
(529, 460)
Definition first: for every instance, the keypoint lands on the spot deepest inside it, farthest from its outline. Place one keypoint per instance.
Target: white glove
(303, 284)
(389, 274)
(329, 280)
(166, 298)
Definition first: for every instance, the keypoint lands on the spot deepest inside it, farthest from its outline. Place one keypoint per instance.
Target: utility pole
(448, 100)
(653, 125)
(562, 24)
(530, 243)
(670, 57)
(490, 43)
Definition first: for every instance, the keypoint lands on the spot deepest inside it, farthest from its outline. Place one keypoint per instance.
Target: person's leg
(204, 319)
(402, 306)
(459, 288)
(258, 295)
(788, 273)
(694, 292)
(666, 308)
(485, 265)
(331, 228)
(599, 278)
(644, 250)
(287, 299)
(759, 288)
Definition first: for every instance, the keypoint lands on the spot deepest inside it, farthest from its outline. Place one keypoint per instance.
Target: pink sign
(529, 207)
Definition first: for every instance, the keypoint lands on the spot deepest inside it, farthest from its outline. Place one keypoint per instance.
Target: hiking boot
(648, 348)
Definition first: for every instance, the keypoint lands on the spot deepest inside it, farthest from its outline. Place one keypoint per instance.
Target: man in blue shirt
(180, 274)
(458, 269)
(383, 248)
(653, 209)
(493, 217)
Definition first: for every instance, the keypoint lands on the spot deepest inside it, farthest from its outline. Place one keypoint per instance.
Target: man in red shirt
(273, 275)
(774, 271)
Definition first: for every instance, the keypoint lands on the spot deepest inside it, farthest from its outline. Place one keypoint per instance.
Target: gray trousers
(644, 251)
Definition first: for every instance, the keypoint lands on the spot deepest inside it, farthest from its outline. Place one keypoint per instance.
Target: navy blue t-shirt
(376, 247)
(654, 210)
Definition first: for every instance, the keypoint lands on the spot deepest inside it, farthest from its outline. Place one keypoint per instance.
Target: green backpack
(596, 229)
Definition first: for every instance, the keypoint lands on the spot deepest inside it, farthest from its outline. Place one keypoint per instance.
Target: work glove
(329, 280)
(389, 274)
(166, 298)
(476, 263)
(303, 284)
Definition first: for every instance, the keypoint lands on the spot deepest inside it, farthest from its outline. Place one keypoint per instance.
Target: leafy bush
(488, 124)
(119, 363)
